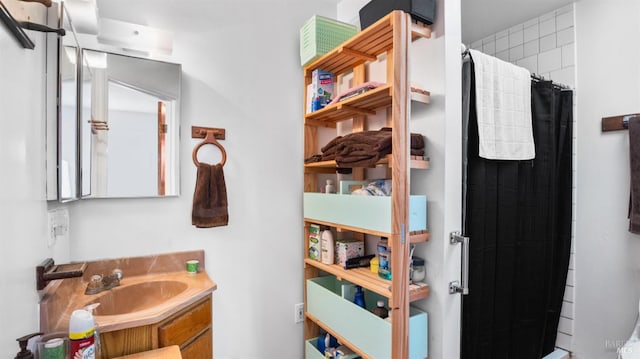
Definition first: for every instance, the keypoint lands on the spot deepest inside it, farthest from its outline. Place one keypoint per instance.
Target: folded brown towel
(364, 149)
(634, 160)
(417, 152)
(331, 144)
(380, 138)
(210, 198)
(357, 161)
(417, 141)
(312, 159)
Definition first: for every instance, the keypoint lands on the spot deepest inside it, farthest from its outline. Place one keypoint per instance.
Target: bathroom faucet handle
(117, 273)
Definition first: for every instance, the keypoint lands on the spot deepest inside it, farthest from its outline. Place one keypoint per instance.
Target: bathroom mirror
(68, 148)
(129, 126)
(62, 120)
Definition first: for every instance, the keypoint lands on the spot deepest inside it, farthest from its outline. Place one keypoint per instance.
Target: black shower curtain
(518, 218)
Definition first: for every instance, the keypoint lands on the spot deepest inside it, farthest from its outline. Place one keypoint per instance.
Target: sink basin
(135, 297)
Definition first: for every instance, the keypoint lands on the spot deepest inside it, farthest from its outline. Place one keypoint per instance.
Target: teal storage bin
(368, 212)
(320, 35)
(311, 350)
(368, 332)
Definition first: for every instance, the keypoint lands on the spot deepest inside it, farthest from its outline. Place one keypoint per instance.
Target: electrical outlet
(58, 224)
(298, 313)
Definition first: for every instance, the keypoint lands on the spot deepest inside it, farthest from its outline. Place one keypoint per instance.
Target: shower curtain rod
(464, 51)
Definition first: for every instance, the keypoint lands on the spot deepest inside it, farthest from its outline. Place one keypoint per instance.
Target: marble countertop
(62, 298)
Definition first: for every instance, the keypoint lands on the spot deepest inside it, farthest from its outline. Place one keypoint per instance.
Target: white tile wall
(532, 48)
(550, 60)
(548, 42)
(545, 46)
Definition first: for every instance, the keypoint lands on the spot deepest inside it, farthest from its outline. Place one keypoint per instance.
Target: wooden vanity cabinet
(191, 329)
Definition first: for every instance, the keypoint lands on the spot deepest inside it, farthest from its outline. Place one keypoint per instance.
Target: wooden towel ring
(210, 139)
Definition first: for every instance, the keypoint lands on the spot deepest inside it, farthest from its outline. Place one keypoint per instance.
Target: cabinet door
(185, 326)
(126, 341)
(200, 348)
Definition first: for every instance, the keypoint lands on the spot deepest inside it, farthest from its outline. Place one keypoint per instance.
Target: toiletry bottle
(329, 187)
(384, 259)
(359, 298)
(327, 245)
(24, 352)
(82, 334)
(417, 271)
(380, 310)
(96, 331)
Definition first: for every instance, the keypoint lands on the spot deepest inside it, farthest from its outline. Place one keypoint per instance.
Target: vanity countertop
(140, 275)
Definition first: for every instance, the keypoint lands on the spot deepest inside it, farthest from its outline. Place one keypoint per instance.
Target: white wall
(608, 269)
(241, 71)
(23, 209)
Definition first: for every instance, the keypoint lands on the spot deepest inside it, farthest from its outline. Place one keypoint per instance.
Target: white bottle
(327, 245)
(329, 187)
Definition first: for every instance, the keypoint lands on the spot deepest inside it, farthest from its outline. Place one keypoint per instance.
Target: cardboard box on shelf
(347, 249)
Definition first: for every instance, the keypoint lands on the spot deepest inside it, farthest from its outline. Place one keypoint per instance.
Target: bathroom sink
(136, 297)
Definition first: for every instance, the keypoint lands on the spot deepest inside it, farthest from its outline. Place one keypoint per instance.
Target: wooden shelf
(330, 166)
(368, 280)
(414, 237)
(364, 46)
(364, 104)
(420, 95)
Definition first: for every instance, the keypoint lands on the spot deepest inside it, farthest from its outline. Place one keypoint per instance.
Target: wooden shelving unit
(390, 37)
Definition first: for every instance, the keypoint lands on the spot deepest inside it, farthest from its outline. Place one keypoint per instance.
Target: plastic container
(418, 271)
(373, 265)
(327, 247)
(314, 242)
(359, 297)
(82, 335)
(384, 259)
(329, 187)
(380, 310)
(320, 35)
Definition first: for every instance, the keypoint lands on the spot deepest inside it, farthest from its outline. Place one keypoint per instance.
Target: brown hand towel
(634, 159)
(331, 144)
(210, 198)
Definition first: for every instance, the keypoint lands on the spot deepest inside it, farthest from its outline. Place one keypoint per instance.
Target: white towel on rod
(503, 107)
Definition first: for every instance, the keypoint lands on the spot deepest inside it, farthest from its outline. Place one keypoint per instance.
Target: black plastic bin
(420, 10)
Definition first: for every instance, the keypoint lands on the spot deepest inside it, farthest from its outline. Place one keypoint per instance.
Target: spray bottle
(83, 337)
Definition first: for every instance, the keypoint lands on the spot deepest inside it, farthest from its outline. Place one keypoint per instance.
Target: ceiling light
(135, 37)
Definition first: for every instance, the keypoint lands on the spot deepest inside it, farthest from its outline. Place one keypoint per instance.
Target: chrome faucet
(99, 283)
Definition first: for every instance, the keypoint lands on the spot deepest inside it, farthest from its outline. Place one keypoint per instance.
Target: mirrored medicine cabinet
(117, 125)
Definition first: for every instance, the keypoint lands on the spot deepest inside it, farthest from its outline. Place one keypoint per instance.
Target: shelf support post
(400, 185)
